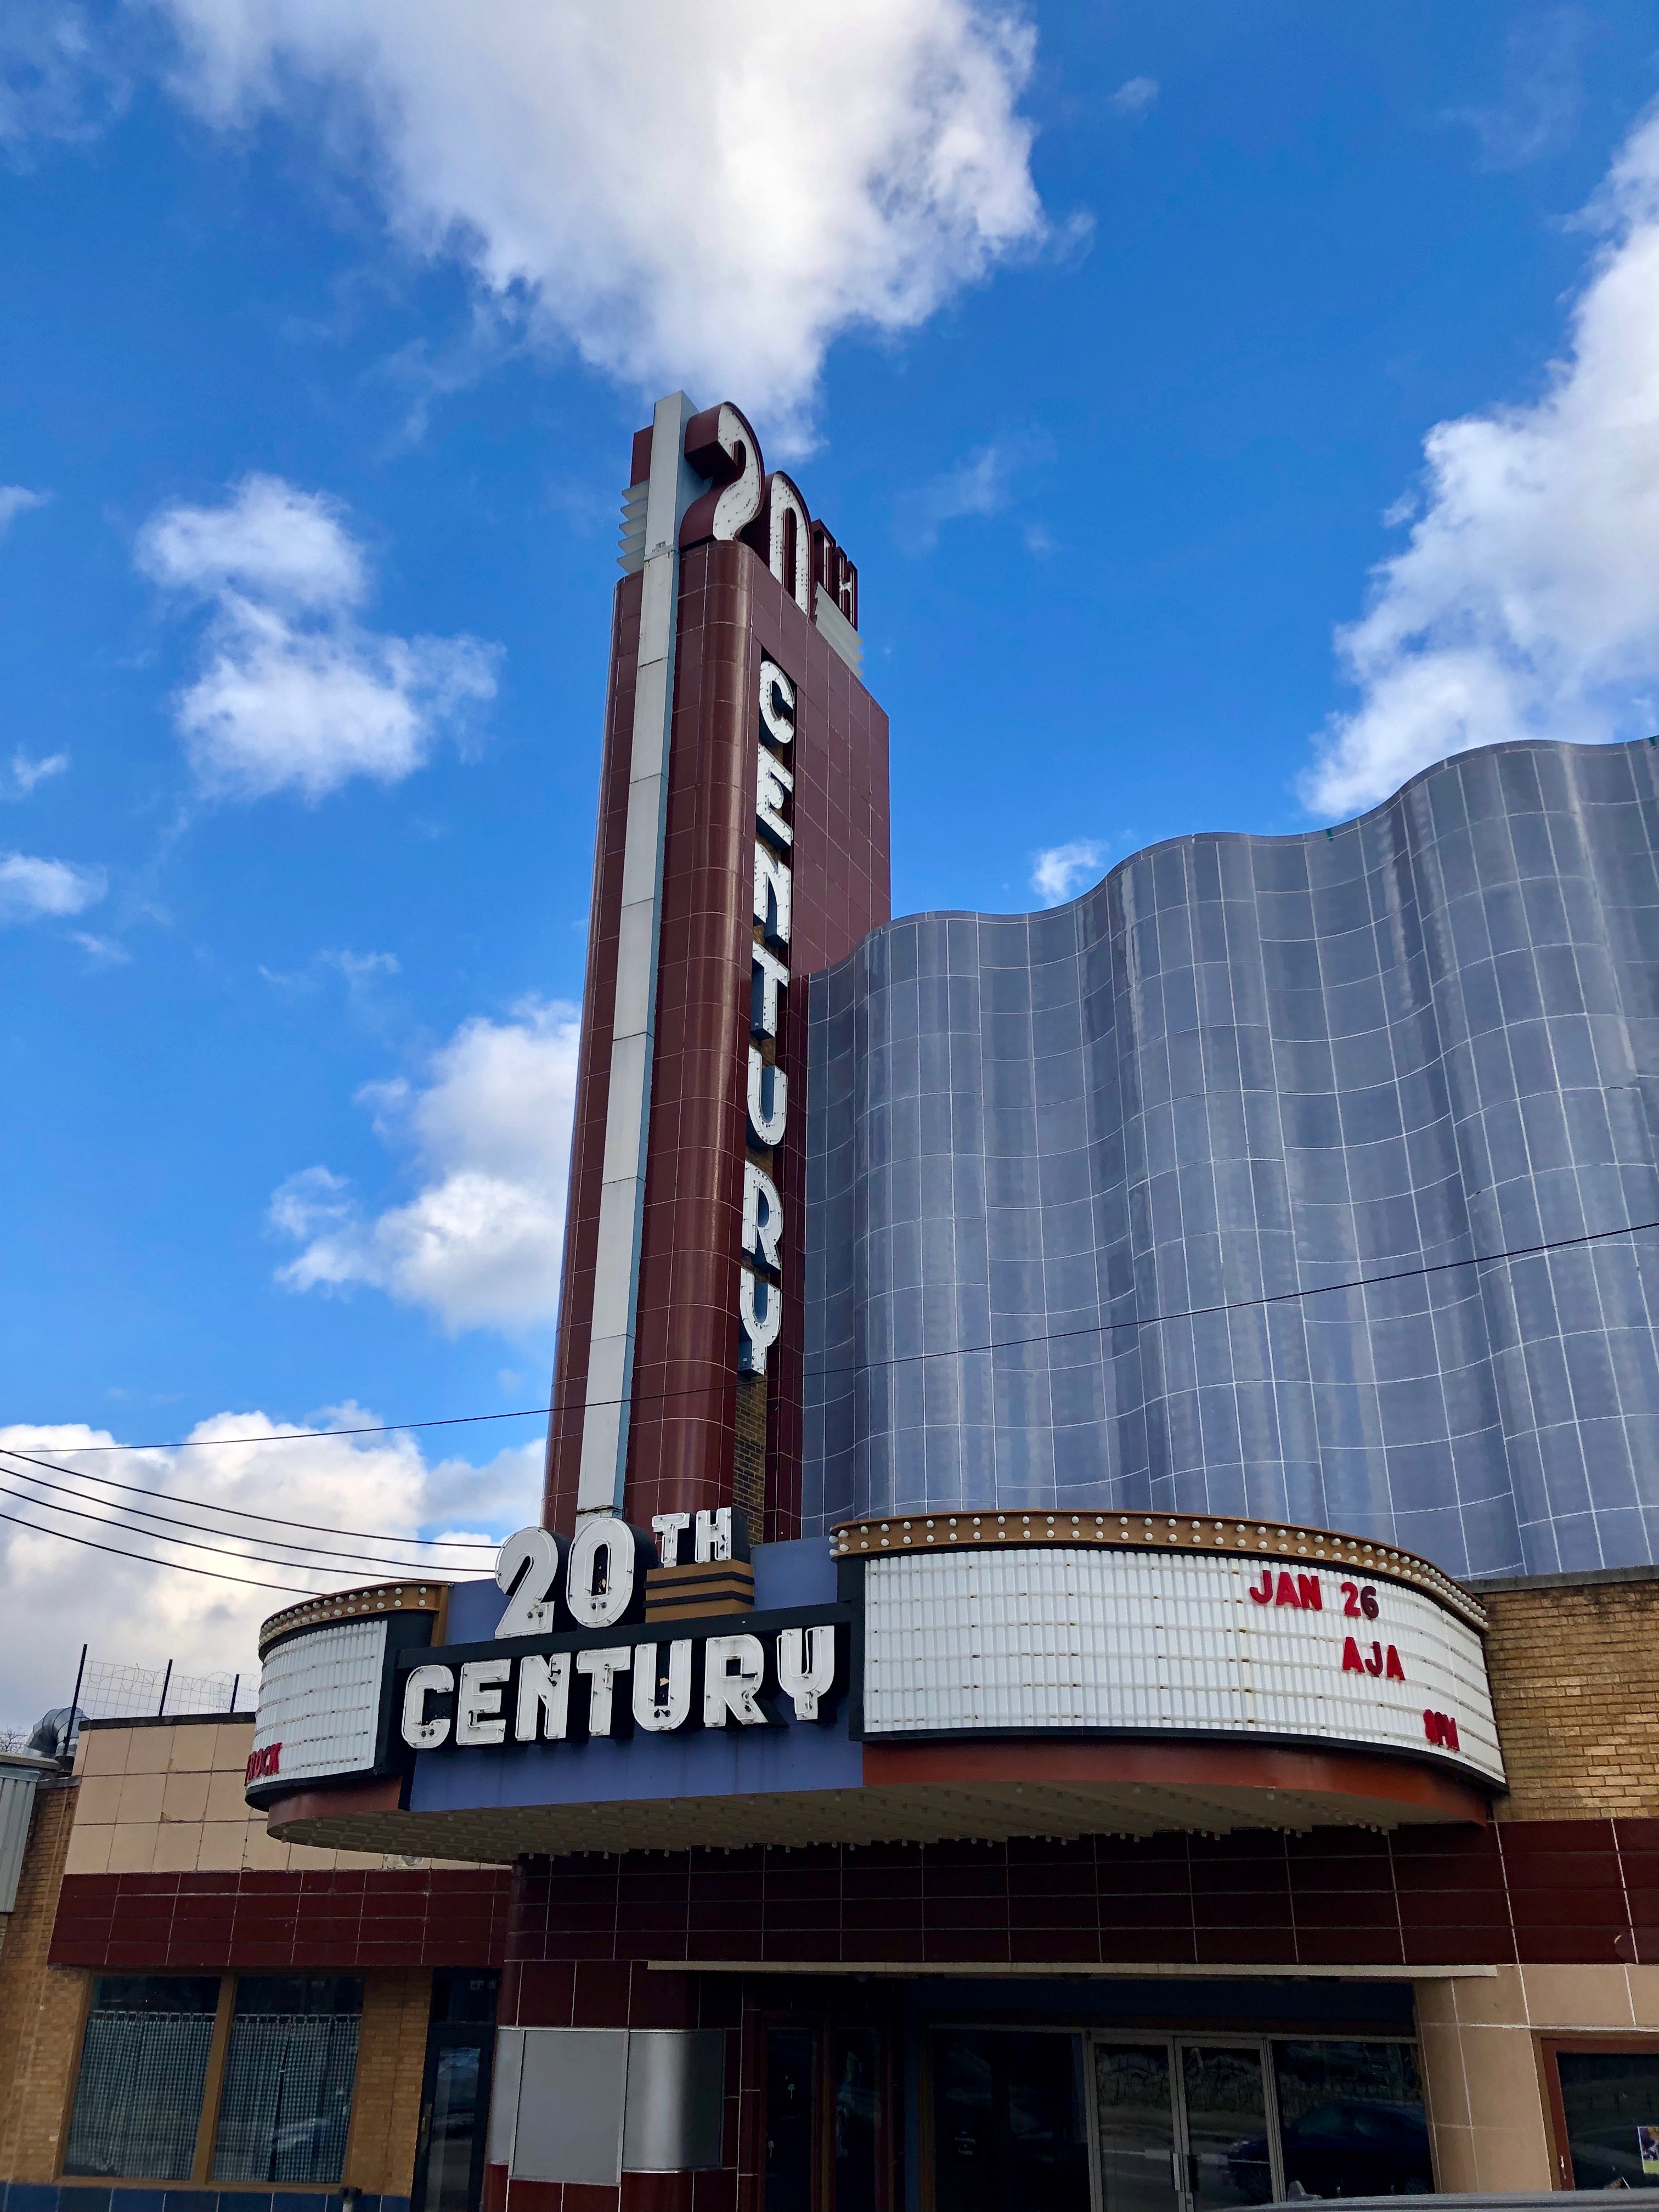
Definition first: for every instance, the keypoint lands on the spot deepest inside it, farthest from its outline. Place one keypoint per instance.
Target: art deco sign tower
(742, 843)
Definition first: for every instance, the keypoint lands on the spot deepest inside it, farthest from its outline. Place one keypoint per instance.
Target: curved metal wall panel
(1128, 1141)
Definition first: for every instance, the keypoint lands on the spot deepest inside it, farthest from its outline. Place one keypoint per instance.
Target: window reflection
(1611, 2100)
(1351, 2119)
(855, 2085)
(791, 2064)
(1009, 2129)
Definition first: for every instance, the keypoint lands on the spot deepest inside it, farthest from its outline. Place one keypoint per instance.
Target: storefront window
(143, 2064)
(1009, 2128)
(1351, 2119)
(289, 2073)
(1611, 2102)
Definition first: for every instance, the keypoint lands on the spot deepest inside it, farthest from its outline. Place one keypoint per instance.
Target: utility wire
(154, 1536)
(355, 1559)
(240, 1513)
(1105, 1328)
(145, 1558)
(910, 1358)
(315, 1435)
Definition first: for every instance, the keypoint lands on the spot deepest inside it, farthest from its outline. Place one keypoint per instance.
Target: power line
(153, 1536)
(1103, 1328)
(904, 1359)
(172, 1566)
(319, 1436)
(357, 1560)
(240, 1513)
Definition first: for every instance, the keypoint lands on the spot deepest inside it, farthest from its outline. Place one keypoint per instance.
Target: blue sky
(1137, 355)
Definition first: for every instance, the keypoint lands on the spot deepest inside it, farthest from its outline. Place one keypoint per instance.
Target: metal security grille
(286, 2101)
(139, 2096)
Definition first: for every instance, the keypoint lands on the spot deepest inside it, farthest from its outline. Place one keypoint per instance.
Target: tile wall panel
(206, 1922)
(581, 1928)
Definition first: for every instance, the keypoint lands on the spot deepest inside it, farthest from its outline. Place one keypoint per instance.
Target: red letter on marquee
(1393, 1670)
(1265, 1595)
(1309, 1591)
(1352, 1661)
(1374, 1664)
(1287, 1591)
(265, 1762)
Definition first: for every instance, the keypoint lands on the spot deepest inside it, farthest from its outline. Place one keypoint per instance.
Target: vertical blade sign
(760, 1292)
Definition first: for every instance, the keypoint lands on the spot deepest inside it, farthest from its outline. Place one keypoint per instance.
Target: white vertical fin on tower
(672, 485)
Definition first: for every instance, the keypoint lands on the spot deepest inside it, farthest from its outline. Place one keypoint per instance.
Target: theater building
(1092, 1642)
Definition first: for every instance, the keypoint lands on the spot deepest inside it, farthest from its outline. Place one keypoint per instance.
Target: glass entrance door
(455, 2093)
(1225, 2106)
(1181, 2125)
(827, 2130)
(1135, 2119)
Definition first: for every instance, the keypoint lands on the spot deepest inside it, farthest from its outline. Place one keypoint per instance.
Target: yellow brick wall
(1575, 1679)
(386, 2106)
(748, 1452)
(40, 2006)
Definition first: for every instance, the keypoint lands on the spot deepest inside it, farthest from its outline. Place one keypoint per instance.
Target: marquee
(993, 1629)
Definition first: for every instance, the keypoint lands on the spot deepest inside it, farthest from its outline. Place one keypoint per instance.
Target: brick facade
(39, 2008)
(232, 1901)
(1575, 1677)
(1555, 1902)
(386, 2103)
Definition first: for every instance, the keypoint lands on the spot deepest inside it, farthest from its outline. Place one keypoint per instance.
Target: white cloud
(15, 499)
(1060, 871)
(105, 948)
(56, 1596)
(31, 889)
(1526, 602)
(479, 1245)
(985, 483)
(293, 692)
(708, 195)
(1543, 93)
(362, 967)
(27, 771)
(359, 972)
(57, 79)
(1135, 95)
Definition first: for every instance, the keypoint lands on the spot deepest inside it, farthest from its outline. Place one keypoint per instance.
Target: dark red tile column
(682, 1414)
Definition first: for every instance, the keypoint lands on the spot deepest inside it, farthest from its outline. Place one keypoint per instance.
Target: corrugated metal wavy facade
(1242, 1067)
